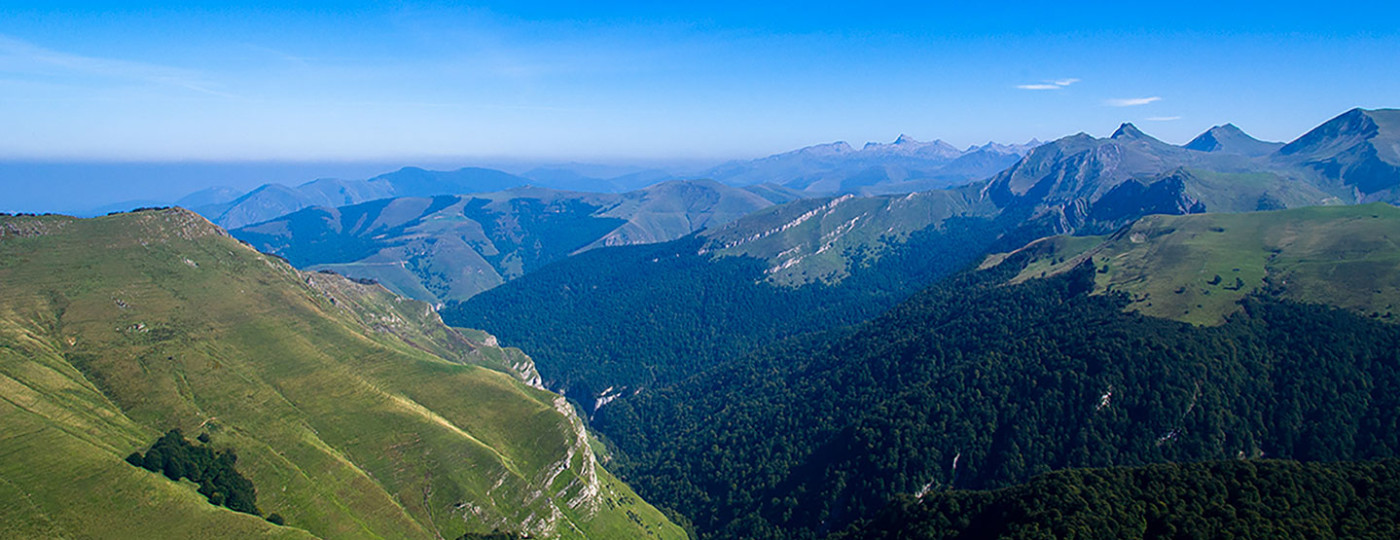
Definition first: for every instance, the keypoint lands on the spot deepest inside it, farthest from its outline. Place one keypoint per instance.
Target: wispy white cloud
(1048, 85)
(1131, 102)
(1162, 118)
(19, 56)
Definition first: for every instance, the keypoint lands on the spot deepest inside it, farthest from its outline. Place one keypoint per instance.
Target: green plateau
(1197, 268)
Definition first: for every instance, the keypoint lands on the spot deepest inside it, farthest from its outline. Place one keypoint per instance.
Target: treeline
(214, 471)
(1221, 499)
(972, 384)
(640, 316)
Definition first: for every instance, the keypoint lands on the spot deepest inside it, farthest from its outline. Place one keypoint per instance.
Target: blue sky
(411, 82)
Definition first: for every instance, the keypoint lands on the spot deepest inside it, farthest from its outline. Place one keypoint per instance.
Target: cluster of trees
(1219, 499)
(494, 535)
(972, 384)
(641, 316)
(214, 471)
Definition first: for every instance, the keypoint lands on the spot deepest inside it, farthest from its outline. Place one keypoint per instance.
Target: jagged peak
(905, 139)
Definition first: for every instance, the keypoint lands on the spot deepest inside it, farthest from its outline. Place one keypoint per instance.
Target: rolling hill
(453, 247)
(355, 413)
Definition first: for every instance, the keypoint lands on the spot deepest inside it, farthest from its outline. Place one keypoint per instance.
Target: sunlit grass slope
(355, 413)
(1196, 268)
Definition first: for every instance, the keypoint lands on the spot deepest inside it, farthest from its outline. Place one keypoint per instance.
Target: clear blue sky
(410, 81)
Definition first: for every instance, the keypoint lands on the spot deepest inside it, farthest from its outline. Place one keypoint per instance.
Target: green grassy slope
(816, 240)
(356, 414)
(1196, 268)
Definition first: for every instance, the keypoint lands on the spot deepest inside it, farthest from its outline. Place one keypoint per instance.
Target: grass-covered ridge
(356, 415)
(1196, 268)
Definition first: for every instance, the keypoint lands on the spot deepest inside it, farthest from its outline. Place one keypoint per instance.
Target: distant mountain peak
(1128, 131)
(1348, 129)
(996, 147)
(902, 142)
(1359, 148)
(1230, 139)
(838, 147)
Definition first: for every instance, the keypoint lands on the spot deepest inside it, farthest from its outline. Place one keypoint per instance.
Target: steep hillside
(453, 247)
(1358, 151)
(1197, 268)
(355, 413)
(670, 210)
(820, 240)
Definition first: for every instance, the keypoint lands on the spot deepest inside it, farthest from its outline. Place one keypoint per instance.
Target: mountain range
(1084, 184)
(271, 200)
(852, 257)
(452, 247)
(902, 166)
(1071, 184)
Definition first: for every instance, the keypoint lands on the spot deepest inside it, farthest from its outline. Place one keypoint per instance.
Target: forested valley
(973, 384)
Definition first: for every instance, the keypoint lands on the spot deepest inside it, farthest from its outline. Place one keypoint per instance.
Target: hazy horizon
(271, 93)
(366, 82)
(104, 185)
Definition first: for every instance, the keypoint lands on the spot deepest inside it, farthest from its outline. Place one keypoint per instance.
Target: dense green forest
(640, 316)
(973, 384)
(1219, 499)
(214, 471)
